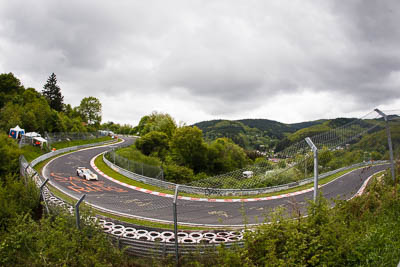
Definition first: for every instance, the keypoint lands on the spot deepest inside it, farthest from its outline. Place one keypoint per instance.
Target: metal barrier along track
(163, 249)
(226, 192)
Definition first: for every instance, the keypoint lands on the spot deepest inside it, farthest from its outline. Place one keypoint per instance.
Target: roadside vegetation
(362, 232)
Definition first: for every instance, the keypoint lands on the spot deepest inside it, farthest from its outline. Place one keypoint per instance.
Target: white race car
(86, 173)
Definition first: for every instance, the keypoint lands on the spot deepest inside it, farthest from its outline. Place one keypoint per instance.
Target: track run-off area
(110, 195)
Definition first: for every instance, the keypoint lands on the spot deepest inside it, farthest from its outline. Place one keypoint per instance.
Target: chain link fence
(140, 168)
(292, 165)
(70, 136)
(295, 163)
(52, 138)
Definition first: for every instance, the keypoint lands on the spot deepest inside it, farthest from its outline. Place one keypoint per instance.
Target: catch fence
(291, 167)
(140, 168)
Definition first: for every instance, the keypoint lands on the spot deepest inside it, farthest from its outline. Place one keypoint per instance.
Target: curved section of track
(113, 196)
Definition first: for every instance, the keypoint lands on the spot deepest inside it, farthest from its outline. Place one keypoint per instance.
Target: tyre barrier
(154, 234)
(167, 234)
(129, 235)
(196, 235)
(158, 239)
(130, 230)
(142, 232)
(218, 240)
(119, 230)
(151, 243)
(118, 227)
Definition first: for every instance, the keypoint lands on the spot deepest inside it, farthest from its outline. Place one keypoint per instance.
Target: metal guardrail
(226, 192)
(63, 150)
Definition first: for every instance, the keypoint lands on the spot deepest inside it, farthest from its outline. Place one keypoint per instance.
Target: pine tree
(52, 92)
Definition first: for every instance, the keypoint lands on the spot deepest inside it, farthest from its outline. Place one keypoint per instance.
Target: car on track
(247, 174)
(86, 173)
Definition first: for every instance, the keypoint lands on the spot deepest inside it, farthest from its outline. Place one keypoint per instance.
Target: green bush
(132, 153)
(9, 155)
(16, 198)
(55, 241)
(177, 174)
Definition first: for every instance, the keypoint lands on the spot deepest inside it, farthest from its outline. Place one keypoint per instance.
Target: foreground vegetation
(362, 232)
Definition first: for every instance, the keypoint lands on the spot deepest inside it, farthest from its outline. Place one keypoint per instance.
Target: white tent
(16, 132)
(32, 134)
(39, 141)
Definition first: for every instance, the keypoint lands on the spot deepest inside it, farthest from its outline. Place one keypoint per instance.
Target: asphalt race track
(114, 197)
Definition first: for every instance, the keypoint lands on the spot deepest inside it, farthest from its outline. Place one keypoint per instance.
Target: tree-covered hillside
(328, 125)
(251, 134)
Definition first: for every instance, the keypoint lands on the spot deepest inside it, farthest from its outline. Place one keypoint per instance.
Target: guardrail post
(77, 210)
(389, 141)
(41, 195)
(315, 151)
(176, 225)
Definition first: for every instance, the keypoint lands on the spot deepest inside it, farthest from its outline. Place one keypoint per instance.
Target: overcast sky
(290, 61)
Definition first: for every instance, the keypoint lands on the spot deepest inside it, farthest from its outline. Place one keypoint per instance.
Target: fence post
(389, 141)
(77, 211)
(48, 140)
(176, 225)
(305, 166)
(315, 151)
(41, 195)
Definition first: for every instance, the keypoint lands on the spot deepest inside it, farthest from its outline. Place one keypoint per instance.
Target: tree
(157, 122)
(177, 174)
(90, 110)
(10, 86)
(9, 156)
(189, 149)
(225, 156)
(154, 143)
(52, 92)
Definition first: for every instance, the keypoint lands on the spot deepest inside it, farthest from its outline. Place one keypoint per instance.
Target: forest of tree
(181, 151)
(44, 112)
(251, 134)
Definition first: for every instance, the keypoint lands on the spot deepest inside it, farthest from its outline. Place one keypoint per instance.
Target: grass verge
(64, 144)
(32, 152)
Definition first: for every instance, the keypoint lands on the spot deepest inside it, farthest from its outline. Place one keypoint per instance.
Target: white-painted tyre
(117, 232)
(130, 235)
(167, 234)
(196, 235)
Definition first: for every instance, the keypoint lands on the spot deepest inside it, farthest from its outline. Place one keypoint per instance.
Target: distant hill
(251, 133)
(263, 134)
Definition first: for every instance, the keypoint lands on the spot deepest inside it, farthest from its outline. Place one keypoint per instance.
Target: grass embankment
(32, 152)
(64, 144)
(110, 172)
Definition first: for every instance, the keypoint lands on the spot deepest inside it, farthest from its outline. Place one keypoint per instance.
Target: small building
(274, 160)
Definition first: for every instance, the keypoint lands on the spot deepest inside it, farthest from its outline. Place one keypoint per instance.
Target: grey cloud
(225, 56)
